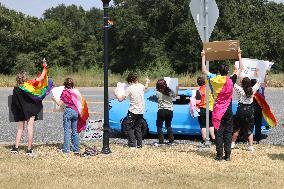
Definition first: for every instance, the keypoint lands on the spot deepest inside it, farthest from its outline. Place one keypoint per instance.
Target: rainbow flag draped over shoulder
(38, 90)
(266, 111)
(222, 89)
(79, 103)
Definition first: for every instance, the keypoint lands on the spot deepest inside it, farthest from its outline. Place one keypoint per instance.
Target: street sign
(200, 9)
(205, 14)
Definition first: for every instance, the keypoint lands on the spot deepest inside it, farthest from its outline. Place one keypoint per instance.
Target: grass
(91, 79)
(180, 166)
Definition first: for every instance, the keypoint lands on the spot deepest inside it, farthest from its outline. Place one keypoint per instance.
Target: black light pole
(106, 149)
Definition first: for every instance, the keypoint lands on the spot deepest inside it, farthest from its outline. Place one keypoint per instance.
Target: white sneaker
(233, 145)
(251, 149)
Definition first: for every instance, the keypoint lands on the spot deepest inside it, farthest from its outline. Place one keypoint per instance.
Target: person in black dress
(26, 109)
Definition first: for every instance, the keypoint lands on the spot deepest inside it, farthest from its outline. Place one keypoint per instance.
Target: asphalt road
(50, 128)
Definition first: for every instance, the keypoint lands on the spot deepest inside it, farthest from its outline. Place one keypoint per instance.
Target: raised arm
(266, 79)
(44, 71)
(204, 69)
(240, 59)
(241, 65)
(147, 81)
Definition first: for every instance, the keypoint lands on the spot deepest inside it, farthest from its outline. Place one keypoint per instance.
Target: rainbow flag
(79, 103)
(110, 23)
(266, 111)
(38, 90)
(222, 91)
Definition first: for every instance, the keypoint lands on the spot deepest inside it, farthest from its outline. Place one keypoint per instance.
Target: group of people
(224, 130)
(26, 107)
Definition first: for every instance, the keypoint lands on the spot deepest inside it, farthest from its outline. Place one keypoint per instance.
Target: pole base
(208, 143)
(105, 151)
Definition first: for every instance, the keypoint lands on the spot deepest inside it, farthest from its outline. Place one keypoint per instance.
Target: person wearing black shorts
(245, 111)
(201, 104)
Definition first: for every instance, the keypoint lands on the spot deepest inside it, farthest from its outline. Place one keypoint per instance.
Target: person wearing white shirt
(245, 110)
(135, 92)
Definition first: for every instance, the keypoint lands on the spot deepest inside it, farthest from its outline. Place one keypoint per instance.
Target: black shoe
(218, 158)
(14, 150)
(227, 158)
(171, 143)
(77, 154)
(30, 152)
(139, 146)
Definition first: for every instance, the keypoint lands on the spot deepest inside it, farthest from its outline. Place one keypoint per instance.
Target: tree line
(154, 36)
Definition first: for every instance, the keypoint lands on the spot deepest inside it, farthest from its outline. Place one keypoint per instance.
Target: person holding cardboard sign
(221, 86)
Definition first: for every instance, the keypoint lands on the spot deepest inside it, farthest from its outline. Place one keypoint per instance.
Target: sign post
(205, 14)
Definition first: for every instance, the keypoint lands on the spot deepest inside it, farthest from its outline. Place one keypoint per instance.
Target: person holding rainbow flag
(27, 103)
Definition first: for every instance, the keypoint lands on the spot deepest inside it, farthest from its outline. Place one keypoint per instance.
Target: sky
(37, 7)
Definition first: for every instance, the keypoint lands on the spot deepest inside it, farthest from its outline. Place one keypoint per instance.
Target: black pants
(134, 129)
(167, 116)
(257, 121)
(224, 137)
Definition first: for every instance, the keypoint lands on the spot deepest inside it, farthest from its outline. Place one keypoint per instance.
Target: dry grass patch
(90, 79)
(180, 166)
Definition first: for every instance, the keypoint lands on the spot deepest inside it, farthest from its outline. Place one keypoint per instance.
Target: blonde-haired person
(25, 109)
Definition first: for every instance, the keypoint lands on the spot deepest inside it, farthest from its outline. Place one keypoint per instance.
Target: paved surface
(50, 128)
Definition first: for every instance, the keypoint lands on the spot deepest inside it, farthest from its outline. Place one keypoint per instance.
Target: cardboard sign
(250, 66)
(221, 50)
(94, 130)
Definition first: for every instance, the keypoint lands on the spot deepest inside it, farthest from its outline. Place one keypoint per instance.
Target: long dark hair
(246, 85)
(162, 87)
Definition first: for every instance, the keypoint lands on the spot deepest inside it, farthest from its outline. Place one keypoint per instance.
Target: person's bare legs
(203, 134)
(212, 132)
(235, 136)
(30, 132)
(21, 126)
(250, 139)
